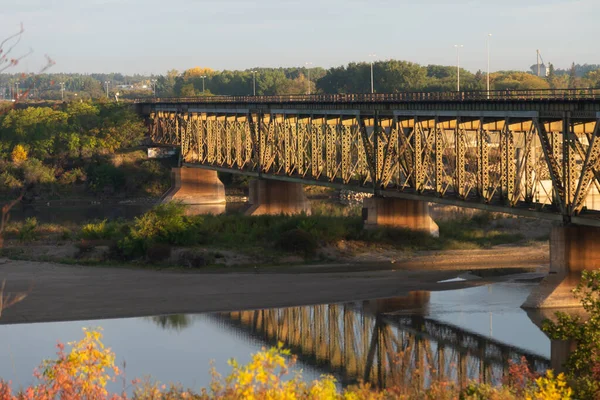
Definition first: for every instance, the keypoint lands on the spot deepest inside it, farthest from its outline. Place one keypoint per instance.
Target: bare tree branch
(4, 54)
(9, 300)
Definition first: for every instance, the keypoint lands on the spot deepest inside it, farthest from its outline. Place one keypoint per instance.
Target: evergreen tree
(572, 77)
(551, 76)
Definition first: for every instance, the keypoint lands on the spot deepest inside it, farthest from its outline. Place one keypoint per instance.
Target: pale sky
(153, 36)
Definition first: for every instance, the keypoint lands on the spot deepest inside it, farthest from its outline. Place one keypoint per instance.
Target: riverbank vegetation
(77, 149)
(167, 236)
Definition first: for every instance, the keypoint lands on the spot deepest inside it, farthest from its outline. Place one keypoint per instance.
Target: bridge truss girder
(512, 160)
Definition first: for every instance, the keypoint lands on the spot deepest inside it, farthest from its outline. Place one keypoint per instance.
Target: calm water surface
(464, 334)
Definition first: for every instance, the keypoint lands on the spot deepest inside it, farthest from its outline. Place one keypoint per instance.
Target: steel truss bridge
(383, 349)
(533, 153)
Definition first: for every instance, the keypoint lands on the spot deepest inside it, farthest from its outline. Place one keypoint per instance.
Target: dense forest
(389, 77)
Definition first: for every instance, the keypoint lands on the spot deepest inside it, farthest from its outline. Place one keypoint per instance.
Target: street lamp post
(488, 64)
(308, 64)
(253, 82)
(372, 86)
(203, 77)
(458, 46)
(107, 83)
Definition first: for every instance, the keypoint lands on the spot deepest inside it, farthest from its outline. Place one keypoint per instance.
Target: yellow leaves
(82, 373)
(550, 387)
(197, 72)
(324, 388)
(19, 154)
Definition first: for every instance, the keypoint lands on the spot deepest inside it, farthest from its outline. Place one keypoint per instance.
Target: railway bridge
(529, 153)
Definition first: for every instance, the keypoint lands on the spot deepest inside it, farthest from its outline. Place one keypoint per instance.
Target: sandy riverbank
(60, 292)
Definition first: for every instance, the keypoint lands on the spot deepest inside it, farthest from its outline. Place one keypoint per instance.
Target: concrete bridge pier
(272, 197)
(196, 187)
(573, 249)
(399, 213)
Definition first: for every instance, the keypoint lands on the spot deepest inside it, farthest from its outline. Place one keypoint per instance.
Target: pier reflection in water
(385, 342)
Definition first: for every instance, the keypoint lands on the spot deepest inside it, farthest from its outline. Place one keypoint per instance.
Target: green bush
(71, 177)
(28, 231)
(34, 171)
(8, 181)
(298, 241)
(166, 223)
(104, 230)
(105, 177)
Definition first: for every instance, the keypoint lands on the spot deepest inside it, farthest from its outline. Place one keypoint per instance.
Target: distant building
(543, 70)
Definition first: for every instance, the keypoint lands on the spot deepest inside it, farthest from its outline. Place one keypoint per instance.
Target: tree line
(390, 76)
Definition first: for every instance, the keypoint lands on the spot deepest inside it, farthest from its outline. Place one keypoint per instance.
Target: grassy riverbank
(166, 236)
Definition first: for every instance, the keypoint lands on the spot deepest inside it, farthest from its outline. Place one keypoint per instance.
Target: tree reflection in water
(173, 322)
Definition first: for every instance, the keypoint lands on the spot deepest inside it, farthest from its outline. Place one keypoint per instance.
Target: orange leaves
(82, 373)
(197, 72)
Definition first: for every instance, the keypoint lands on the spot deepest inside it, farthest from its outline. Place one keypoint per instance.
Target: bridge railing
(492, 95)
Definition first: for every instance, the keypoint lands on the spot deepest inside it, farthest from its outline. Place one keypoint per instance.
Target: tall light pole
(203, 78)
(107, 83)
(372, 58)
(253, 82)
(62, 91)
(488, 64)
(153, 83)
(308, 64)
(458, 46)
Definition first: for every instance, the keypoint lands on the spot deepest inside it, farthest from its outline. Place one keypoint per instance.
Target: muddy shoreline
(58, 292)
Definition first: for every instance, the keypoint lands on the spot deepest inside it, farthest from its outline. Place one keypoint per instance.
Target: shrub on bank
(298, 241)
(28, 231)
(104, 230)
(165, 224)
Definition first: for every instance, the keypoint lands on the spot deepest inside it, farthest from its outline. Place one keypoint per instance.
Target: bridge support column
(270, 197)
(573, 249)
(399, 213)
(195, 186)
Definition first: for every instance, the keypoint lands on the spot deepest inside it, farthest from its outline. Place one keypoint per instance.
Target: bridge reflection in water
(368, 341)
